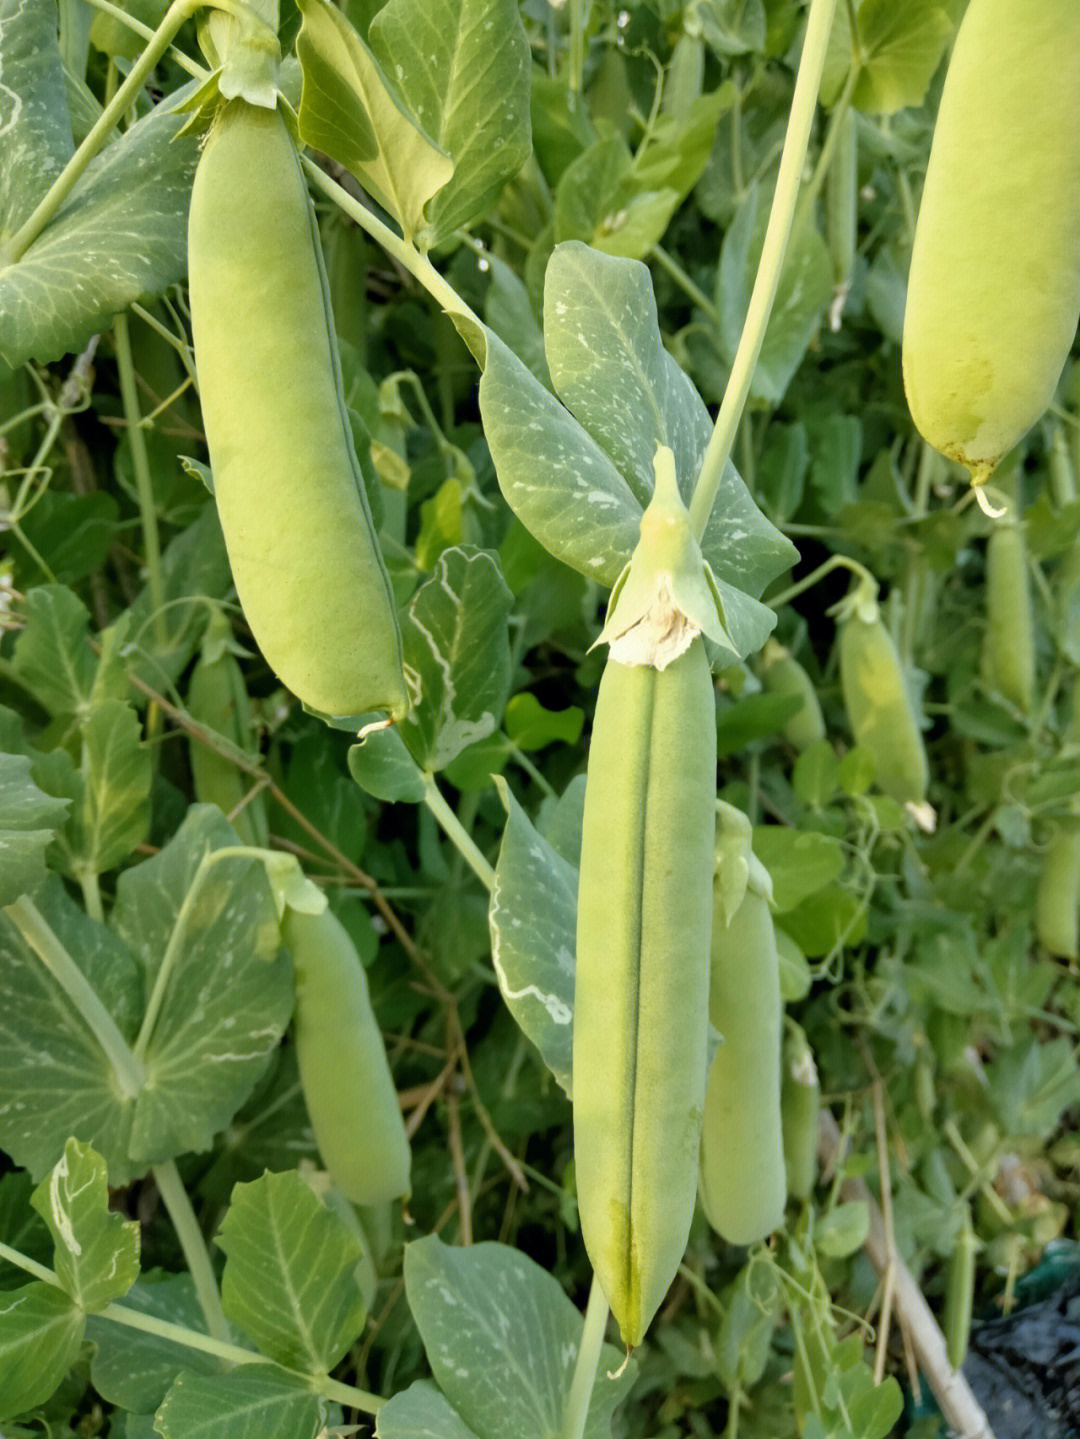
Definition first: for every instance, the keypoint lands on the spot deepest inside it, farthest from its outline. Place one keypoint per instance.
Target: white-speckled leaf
(533, 917)
(120, 236)
(502, 1340)
(463, 70)
(290, 1281)
(229, 994)
(610, 368)
(28, 820)
(35, 129)
(96, 1255)
(256, 1401)
(133, 1369)
(55, 1080)
(420, 1412)
(457, 656)
(558, 481)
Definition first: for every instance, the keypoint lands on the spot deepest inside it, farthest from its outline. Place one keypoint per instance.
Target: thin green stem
(91, 893)
(577, 53)
(39, 935)
(408, 256)
(588, 1362)
(193, 68)
(176, 15)
(456, 833)
(29, 1266)
(197, 1256)
(522, 760)
(140, 463)
(771, 264)
(834, 562)
(682, 279)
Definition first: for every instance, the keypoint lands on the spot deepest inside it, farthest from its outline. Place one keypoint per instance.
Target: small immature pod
(983, 349)
(1057, 897)
(879, 708)
(782, 674)
(348, 1088)
(644, 917)
(1008, 658)
(287, 481)
(800, 1106)
(742, 1181)
(960, 1291)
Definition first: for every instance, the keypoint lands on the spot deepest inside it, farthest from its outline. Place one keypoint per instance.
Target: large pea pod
(286, 477)
(1057, 895)
(217, 699)
(1008, 657)
(743, 1185)
(641, 989)
(348, 1088)
(994, 286)
(782, 674)
(800, 1108)
(878, 705)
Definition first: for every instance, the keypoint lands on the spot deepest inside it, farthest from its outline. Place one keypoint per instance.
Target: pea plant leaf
(897, 48)
(290, 1279)
(55, 1079)
(40, 1335)
(134, 1369)
(381, 765)
(457, 656)
(34, 121)
(96, 1255)
(120, 236)
(227, 993)
(52, 656)
(30, 820)
(732, 27)
(503, 1350)
(250, 1402)
(420, 1412)
(351, 111)
(533, 917)
(804, 292)
(463, 70)
(117, 772)
(600, 200)
(579, 473)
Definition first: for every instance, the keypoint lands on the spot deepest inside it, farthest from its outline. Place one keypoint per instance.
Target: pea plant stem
(175, 1198)
(41, 938)
(835, 562)
(140, 464)
(771, 265)
(457, 834)
(588, 1362)
(193, 68)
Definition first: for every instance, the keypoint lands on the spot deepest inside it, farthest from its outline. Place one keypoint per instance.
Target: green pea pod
(800, 1106)
(1008, 657)
(982, 355)
(641, 988)
(287, 481)
(783, 674)
(742, 1182)
(960, 1291)
(879, 708)
(1057, 896)
(217, 699)
(841, 212)
(348, 1088)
